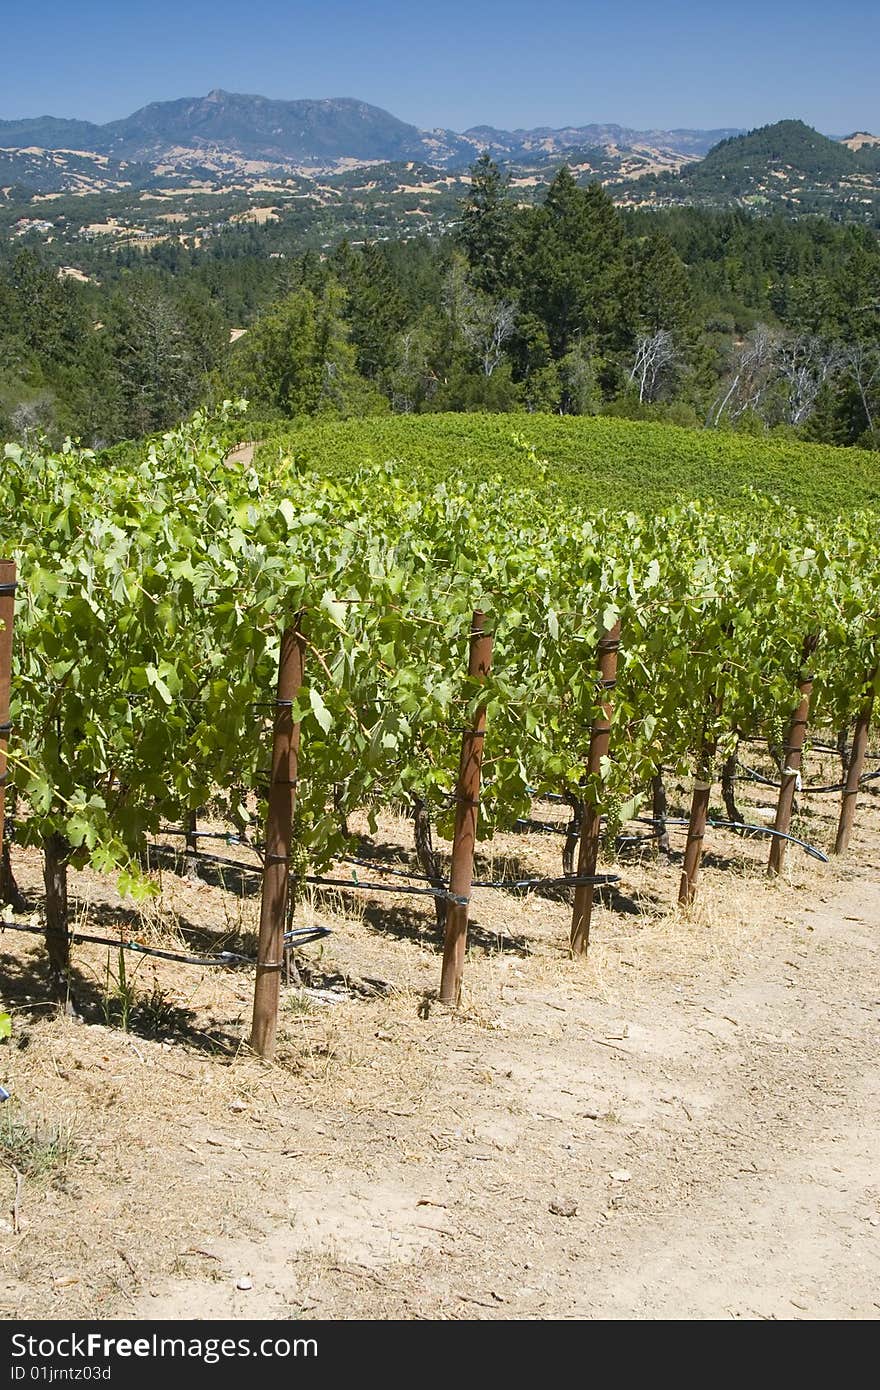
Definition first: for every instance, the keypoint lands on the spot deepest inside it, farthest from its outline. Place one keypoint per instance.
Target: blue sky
(457, 64)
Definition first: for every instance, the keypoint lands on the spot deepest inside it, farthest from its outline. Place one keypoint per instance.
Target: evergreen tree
(574, 268)
(486, 233)
(297, 359)
(662, 292)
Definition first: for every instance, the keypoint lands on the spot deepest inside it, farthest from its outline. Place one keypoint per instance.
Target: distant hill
(786, 164)
(50, 133)
(860, 139)
(515, 144)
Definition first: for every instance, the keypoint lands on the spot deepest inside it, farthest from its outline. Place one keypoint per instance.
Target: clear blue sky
(499, 62)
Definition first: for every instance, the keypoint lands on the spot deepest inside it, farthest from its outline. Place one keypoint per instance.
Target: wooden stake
(792, 758)
(854, 772)
(279, 834)
(591, 825)
(696, 833)
(467, 800)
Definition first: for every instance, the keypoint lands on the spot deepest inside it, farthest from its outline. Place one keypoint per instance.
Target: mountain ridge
(227, 140)
(319, 128)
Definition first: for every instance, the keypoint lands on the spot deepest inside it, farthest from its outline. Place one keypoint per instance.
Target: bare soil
(683, 1126)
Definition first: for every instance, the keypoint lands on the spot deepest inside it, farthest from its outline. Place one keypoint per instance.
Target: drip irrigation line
(755, 776)
(230, 863)
(640, 839)
(745, 825)
(303, 936)
(442, 893)
(554, 828)
(545, 826)
(546, 796)
(227, 836)
(381, 868)
(565, 881)
(832, 748)
(805, 790)
(300, 936)
(320, 881)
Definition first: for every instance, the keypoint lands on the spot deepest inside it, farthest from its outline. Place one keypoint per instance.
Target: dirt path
(731, 1170)
(684, 1128)
(243, 454)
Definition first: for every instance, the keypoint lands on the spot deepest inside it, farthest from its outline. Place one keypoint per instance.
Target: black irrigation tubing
(227, 836)
(816, 748)
(320, 882)
(745, 825)
(804, 789)
(566, 881)
(301, 936)
(640, 839)
(382, 869)
(230, 863)
(546, 826)
(555, 828)
(501, 883)
(832, 748)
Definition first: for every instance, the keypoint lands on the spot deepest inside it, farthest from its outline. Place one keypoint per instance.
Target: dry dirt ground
(684, 1126)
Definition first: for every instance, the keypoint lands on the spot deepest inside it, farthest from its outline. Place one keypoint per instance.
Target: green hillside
(788, 165)
(593, 461)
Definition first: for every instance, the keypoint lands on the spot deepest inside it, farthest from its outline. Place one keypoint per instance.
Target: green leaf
(320, 710)
(335, 610)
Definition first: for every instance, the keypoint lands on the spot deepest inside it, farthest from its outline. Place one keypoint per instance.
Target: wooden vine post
(7, 614)
(467, 801)
(855, 770)
(600, 742)
(279, 836)
(696, 831)
(792, 759)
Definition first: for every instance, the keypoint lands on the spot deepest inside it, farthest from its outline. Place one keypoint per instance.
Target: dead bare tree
(860, 361)
(752, 378)
(655, 355)
(805, 363)
(411, 377)
(486, 326)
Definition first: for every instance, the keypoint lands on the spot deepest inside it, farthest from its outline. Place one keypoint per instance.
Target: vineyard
(154, 595)
(589, 463)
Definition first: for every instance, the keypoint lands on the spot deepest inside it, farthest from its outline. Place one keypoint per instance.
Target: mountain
(322, 134)
(787, 164)
(50, 133)
(252, 126)
(336, 128)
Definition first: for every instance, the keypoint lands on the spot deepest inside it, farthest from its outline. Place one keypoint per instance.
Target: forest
(719, 319)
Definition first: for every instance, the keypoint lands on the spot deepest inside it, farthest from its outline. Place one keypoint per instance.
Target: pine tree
(486, 233)
(574, 271)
